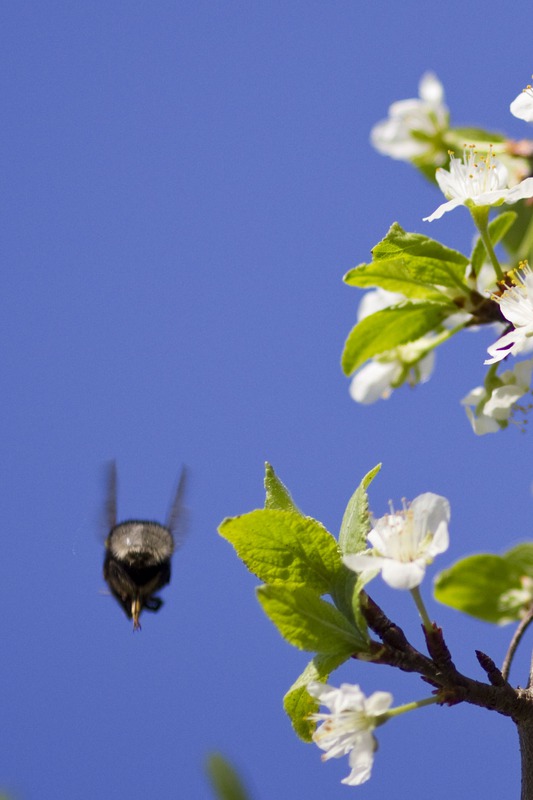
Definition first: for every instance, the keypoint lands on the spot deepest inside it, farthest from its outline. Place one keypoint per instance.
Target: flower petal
(442, 209)
(373, 381)
(502, 347)
(440, 541)
(481, 424)
(378, 703)
(363, 563)
(430, 510)
(377, 300)
(361, 760)
(520, 191)
(522, 373)
(403, 575)
(499, 405)
(431, 89)
(522, 106)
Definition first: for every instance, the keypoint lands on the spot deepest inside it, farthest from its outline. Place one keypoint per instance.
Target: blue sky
(184, 185)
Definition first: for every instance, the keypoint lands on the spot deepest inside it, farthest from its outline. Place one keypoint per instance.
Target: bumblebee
(138, 553)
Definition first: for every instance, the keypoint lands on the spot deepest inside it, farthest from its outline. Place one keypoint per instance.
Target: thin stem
(417, 597)
(480, 215)
(444, 336)
(515, 641)
(427, 701)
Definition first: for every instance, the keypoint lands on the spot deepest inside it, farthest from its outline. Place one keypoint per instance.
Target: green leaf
(356, 520)
(387, 329)
(521, 557)
(484, 586)
(519, 239)
(412, 264)
(298, 703)
(308, 622)
(497, 230)
(470, 135)
(346, 594)
(277, 495)
(224, 779)
(284, 547)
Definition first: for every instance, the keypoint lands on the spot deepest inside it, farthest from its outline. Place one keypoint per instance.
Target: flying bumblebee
(138, 553)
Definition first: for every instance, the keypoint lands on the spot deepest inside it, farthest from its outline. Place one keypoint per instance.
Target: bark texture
(525, 735)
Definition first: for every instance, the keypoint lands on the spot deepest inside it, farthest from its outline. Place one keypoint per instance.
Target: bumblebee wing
(177, 517)
(111, 495)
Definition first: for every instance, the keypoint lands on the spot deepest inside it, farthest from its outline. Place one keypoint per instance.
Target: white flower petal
(373, 382)
(473, 397)
(441, 540)
(522, 106)
(442, 209)
(378, 703)
(430, 511)
(425, 367)
(501, 348)
(516, 305)
(499, 405)
(400, 575)
(363, 563)
(520, 191)
(431, 89)
(482, 424)
(377, 300)
(522, 373)
(361, 760)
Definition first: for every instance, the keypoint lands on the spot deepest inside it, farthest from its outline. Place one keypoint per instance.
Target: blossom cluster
(403, 544)
(485, 176)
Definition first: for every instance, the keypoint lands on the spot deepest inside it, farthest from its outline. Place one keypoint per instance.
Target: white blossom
(412, 125)
(516, 304)
(522, 106)
(347, 730)
(381, 375)
(488, 411)
(479, 180)
(376, 300)
(405, 542)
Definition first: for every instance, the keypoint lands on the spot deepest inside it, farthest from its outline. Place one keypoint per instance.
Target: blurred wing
(111, 496)
(177, 517)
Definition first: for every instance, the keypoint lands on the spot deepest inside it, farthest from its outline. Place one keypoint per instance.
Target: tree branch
(440, 671)
(515, 641)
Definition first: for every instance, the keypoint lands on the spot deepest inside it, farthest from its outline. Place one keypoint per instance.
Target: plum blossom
(490, 410)
(413, 125)
(347, 730)
(522, 106)
(405, 542)
(379, 377)
(410, 362)
(516, 305)
(477, 180)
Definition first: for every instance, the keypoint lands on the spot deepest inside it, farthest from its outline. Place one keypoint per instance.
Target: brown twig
(439, 671)
(515, 641)
(493, 673)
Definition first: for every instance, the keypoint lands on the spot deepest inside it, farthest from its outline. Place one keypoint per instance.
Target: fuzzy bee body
(138, 555)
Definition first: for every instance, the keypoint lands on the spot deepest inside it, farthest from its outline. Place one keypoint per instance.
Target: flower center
(344, 723)
(475, 173)
(528, 90)
(402, 541)
(516, 286)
